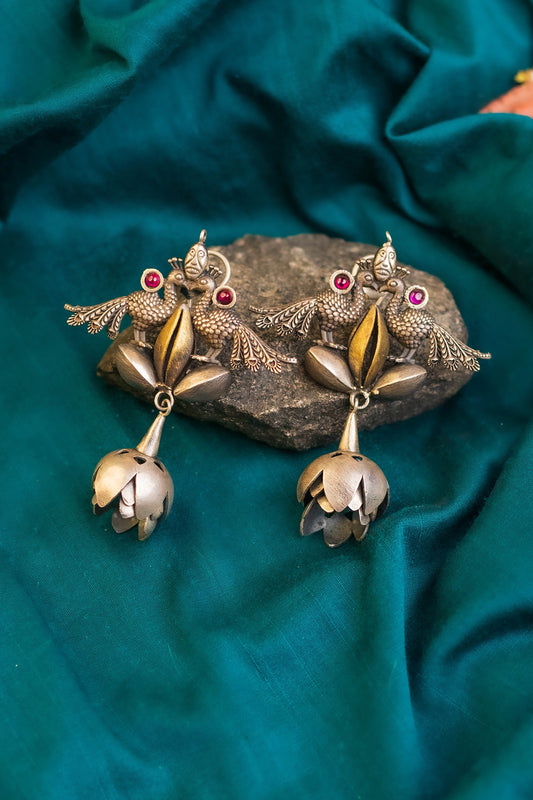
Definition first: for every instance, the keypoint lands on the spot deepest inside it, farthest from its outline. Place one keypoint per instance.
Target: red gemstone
(342, 282)
(224, 297)
(152, 280)
(416, 297)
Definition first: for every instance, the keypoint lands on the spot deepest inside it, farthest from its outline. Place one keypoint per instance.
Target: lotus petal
(112, 473)
(167, 503)
(400, 381)
(152, 486)
(125, 511)
(310, 474)
(357, 500)
(203, 384)
(313, 519)
(146, 527)
(316, 488)
(376, 489)
(174, 346)
(342, 476)
(135, 366)
(96, 508)
(324, 503)
(359, 528)
(337, 530)
(329, 369)
(128, 494)
(364, 519)
(383, 506)
(368, 348)
(120, 524)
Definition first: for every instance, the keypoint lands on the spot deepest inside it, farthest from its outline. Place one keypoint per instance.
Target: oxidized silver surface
(133, 481)
(136, 366)
(204, 383)
(411, 325)
(329, 369)
(333, 309)
(217, 324)
(136, 484)
(145, 307)
(344, 491)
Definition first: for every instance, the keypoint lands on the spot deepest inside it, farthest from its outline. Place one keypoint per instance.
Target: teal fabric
(226, 657)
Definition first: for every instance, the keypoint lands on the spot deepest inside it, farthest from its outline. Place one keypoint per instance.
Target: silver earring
(162, 358)
(344, 491)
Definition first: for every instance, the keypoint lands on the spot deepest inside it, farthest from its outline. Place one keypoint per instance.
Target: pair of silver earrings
(343, 491)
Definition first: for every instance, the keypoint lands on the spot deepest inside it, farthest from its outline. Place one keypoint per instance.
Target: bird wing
(295, 318)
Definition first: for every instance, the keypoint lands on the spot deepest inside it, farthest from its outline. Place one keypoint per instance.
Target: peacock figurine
(146, 307)
(344, 303)
(214, 320)
(410, 324)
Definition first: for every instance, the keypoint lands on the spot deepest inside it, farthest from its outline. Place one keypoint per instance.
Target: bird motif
(344, 303)
(214, 320)
(146, 307)
(409, 323)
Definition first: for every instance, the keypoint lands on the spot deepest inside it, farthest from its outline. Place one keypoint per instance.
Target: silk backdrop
(225, 657)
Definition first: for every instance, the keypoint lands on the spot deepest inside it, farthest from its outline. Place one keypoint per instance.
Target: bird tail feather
(443, 346)
(108, 314)
(250, 350)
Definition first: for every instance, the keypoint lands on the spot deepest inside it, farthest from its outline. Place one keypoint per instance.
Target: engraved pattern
(410, 326)
(217, 325)
(332, 310)
(295, 318)
(146, 309)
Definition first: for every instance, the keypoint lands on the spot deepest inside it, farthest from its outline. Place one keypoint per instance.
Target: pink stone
(342, 282)
(224, 297)
(152, 280)
(416, 297)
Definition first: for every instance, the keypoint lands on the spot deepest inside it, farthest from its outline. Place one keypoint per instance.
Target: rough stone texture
(291, 410)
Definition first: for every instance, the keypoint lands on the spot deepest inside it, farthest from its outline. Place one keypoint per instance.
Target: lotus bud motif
(137, 486)
(135, 483)
(343, 493)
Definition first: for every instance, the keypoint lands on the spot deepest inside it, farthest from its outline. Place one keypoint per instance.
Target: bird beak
(193, 288)
(384, 289)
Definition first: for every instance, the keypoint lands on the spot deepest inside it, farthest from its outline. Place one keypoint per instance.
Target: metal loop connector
(164, 401)
(355, 400)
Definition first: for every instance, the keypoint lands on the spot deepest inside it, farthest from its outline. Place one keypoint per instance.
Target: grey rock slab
(291, 410)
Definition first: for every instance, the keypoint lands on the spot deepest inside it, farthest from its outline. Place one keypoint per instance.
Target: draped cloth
(226, 657)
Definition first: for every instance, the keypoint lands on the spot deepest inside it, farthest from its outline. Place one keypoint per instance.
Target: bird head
(178, 278)
(366, 278)
(205, 284)
(393, 286)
